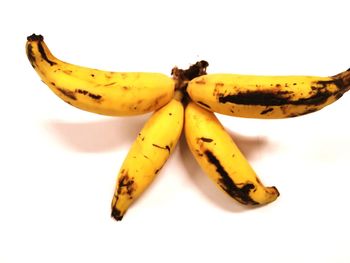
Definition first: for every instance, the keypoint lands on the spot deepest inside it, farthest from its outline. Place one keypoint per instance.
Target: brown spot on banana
(284, 109)
(68, 102)
(30, 54)
(67, 71)
(110, 84)
(201, 82)
(166, 147)
(126, 185)
(108, 76)
(72, 94)
(155, 103)
(89, 94)
(266, 111)
(159, 169)
(68, 93)
(206, 139)
(95, 96)
(343, 81)
(80, 91)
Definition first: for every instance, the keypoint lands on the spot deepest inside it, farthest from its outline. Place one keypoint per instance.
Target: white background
(59, 164)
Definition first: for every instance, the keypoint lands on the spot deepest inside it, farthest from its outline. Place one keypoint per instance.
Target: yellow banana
(149, 152)
(267, 96)
(219, 157)
(98, 91)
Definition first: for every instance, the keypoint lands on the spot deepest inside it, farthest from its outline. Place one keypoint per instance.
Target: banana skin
(98, 91)
(267, 97)
(220, 158)
(148, 154)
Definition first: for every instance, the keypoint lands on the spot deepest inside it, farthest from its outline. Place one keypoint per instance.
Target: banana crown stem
(183, 76)
(178, 95)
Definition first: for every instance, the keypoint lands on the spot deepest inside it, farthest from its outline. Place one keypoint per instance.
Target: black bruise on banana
(280, 98)
(270, 98)
(228, 185)
(43, 54)
(68, 93)
(163, 148)
(266, 111)
(30, 55)
(206, 139)
(110, 84)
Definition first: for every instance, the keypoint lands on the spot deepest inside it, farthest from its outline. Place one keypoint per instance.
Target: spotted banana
(98, 91)
(220, 158)
(267, 96)
(148, 154)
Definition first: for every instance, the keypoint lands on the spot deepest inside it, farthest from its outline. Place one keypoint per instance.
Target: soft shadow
(97, 136)
(248, 145)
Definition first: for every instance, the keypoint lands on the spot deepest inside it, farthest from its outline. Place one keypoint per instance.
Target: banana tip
(117, 214)
(276, 191)
(34, 37)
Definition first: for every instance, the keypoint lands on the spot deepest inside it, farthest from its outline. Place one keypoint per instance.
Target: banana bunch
(186, 101)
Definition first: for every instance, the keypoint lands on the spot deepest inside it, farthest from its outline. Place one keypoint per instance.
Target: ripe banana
(102, 92)
(267, 96)
(219, 157)
(149, 152)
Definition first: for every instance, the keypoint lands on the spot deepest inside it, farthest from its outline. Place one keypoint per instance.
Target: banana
(220, 158)
(98, 91)
(148, 154)
(267, 97)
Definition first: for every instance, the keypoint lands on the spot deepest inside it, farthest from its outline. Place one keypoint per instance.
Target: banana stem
(179, 95)
(183, 76)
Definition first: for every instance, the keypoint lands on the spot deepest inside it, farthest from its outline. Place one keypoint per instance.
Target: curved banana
(102, 92)
(219, 157)
(149, 152)
(267, 96)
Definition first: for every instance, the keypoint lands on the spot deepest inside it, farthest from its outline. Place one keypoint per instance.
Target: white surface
(59, 164)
